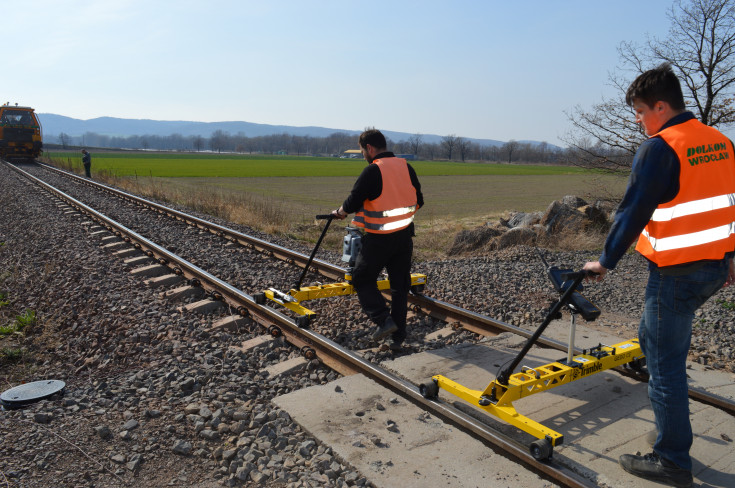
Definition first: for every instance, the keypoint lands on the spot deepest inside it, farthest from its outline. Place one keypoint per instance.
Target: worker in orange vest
(385, 198)
(680, 206)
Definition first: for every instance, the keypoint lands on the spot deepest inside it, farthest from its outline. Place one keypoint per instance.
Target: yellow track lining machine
(498, 397)
(351, 245)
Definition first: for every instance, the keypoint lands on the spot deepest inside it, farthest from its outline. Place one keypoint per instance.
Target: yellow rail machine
(498, 397)
(351, 245)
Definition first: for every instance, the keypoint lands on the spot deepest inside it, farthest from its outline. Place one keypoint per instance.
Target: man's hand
(595, 267)
(339, 213)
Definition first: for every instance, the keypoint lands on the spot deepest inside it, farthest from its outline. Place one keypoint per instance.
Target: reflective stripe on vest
(394, 209)
(699, 223)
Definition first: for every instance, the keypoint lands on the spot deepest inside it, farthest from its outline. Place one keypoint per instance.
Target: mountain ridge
(54, 124)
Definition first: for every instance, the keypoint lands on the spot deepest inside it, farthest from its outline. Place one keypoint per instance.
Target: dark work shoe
(654, 468)
(383, 331)
(395, 346)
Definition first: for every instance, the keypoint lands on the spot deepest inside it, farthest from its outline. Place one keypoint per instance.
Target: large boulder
(524, 219)
(516, 236)
(560, 217)
(470, 240)
(573, 201)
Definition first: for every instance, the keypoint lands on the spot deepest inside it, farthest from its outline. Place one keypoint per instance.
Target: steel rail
(292, 257)
(474, 322)
(346, 361)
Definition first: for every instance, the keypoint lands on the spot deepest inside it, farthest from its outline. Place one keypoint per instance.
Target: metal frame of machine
(350, 248)
(498, 397)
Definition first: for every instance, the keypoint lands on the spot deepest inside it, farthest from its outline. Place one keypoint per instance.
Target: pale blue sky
(482, 69)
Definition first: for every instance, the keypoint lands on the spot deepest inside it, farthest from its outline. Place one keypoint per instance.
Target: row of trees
(451, 147)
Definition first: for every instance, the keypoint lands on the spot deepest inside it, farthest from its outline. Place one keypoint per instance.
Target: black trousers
(392, 252)
(87, 168)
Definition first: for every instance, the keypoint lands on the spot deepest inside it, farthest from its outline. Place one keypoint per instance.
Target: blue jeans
(665, 334)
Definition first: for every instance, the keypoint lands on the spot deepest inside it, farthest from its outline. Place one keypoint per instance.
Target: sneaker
(383, 331)
(654, 468)
(651, 437)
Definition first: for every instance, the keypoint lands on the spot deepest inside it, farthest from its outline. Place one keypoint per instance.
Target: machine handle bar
(328, 218)
(577, 277)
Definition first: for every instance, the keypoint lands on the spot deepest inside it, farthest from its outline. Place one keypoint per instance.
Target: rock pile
(569, 216)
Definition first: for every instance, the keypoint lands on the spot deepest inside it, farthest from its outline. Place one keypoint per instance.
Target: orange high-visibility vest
(394, 209)
(699, 223)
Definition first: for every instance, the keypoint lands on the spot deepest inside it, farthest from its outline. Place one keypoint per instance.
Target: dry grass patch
(286, 206)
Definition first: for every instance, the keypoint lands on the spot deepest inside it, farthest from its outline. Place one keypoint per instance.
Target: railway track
(315, 345)
(441, 310)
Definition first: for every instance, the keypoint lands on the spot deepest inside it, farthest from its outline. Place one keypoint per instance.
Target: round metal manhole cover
(28, 393)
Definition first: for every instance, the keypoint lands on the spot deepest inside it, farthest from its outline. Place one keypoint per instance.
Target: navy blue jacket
(654, 179)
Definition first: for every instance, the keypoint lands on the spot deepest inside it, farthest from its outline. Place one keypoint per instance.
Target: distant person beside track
(679, 206)
(385, 198)
(87, 162)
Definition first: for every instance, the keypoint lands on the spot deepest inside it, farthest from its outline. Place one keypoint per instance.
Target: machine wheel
(275, 331)
(303, 321)
(417, 289)
(308, 352)
(259, 298)
(541, 449)
(429, 390)
(638, 365)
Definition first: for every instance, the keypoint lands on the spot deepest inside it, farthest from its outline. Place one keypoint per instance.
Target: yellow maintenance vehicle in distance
(20, 133)
(292, 300)
(498, 397)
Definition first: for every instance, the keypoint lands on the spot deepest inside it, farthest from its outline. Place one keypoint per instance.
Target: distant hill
(53, 125)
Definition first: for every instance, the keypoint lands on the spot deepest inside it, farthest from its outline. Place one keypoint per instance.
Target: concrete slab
(110, 238)
(253, 343)
(601, 417)
(183, 292)
(150, 271)
(126, 253)
(204, 307)
(113, 245)
(165, 280)
(138, 260)
(231, 323)
(445, 332)
(395, 443)
(286, 367)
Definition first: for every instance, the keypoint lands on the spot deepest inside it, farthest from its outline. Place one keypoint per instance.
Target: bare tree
(463, 146)
(700, 47)
(198, 143)
(64, 139)
(448, 144)
(218, 140)
(414, 143)
(509, 148)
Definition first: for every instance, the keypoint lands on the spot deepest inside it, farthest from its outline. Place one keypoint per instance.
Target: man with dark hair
(385, 198)
(87, 162)
(680, 205)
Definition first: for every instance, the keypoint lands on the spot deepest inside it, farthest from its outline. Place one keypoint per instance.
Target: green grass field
(189, 165)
